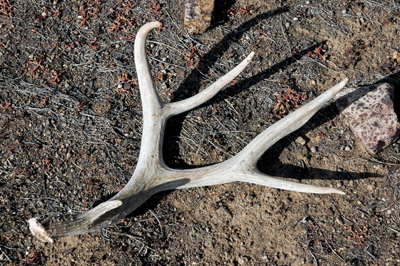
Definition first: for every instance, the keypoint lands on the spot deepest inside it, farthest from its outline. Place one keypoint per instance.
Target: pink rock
(198, 15)
(370, 114)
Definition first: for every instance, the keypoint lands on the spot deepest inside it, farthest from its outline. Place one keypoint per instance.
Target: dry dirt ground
(70, 130)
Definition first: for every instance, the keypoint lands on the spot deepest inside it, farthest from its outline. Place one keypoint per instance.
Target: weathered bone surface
(152, 175)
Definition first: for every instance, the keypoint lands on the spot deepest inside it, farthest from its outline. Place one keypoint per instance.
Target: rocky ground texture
(70, 130)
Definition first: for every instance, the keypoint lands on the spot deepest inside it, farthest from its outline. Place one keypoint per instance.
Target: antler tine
(257, 147)
(148, 93)
(211, 91)
(146, 82)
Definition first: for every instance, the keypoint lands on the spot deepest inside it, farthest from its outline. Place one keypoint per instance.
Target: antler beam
(152, 175)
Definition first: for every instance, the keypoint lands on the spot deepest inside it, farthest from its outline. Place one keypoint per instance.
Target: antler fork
(152, 175)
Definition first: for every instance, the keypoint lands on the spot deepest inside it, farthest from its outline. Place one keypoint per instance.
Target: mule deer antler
(152, 175)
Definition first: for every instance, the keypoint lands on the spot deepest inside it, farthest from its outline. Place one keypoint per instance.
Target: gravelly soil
(70, 130)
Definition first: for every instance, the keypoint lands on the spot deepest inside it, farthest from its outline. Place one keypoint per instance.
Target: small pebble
(330, 212)
(300, 141)
(127, 86)
(339, 220)
(313, 149)
(68, 251)
(250, 197)
(371, 187)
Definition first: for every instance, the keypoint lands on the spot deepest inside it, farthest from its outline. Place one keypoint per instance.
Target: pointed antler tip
(153, 25)
(39, 231)
(146, 28)
(250, 57)
(331, 190)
